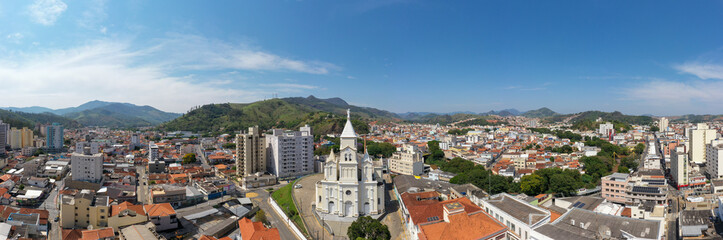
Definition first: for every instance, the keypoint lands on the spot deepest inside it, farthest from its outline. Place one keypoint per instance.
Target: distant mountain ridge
(107, 114)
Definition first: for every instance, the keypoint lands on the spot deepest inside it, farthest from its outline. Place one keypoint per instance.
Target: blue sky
(638, 57)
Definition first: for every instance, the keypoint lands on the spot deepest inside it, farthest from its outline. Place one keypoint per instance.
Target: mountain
(693, 118)
(589, 120)
(108, 114)
(323, 115)
(504, 112)
(442, 119)
(539, 113)
(120, 115)
(23, 119)
(33, 109)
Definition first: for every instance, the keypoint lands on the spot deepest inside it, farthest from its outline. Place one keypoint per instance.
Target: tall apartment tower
(54, 137)
(714, 158)
(3, 136)
(698, 139)
(250, 152)
(86, 167)
(290, 153)
(152, 151)
(679, 167)
(663, 124)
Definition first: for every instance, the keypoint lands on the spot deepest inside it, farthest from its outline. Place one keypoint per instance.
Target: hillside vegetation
(323, 117)
(22, 119)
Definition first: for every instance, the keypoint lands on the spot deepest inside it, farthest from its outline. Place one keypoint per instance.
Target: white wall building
(520, 216)
(698, 139)
(663, 124)
(152, 151)
(407, 160)
(290, 153)
(352, 184)
(679, 166)
(605, 129)
(87, 167)
(714, 159)
(94, 147)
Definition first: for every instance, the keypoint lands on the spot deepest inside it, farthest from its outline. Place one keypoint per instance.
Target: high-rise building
(290, 153)
(3, 136)
(86, 167)
(54, 137)
(606, 129)
(663, 124)
(16, 138)
(407, 160)
(94, 147)
(250, 152)
(698, 139)
(679, 167)
(152, 151)
(714, 158)
(26, 137)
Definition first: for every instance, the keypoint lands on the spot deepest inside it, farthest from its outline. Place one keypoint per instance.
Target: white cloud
(702, 70)
(103, 30)
(14, 37)
(46, 12)
(112, 70)
(197, 52)
(106, 71)
(93, 16)
(679, 97)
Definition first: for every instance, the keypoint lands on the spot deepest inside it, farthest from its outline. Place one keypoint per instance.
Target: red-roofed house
(428, 218)
(256, 231)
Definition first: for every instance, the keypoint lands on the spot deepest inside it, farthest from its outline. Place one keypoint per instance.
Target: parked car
(297, 186)
(56, 219)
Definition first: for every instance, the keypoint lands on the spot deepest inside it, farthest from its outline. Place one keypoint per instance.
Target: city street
(276, 221)
(142, 191)
(51, 204)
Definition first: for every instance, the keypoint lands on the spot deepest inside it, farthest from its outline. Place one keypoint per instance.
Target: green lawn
(285, 201)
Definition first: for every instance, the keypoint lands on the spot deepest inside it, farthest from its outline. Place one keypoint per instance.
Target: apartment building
(86, 167)
(84, 209)
(679, 167)
(54, 137)
(714, 159)
(250, 152)
(290, 153)
(407, 160)
(94, 147)
(614, 187)
(698, 140)
(4, 128)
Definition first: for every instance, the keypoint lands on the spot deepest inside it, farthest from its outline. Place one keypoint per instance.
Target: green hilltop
(325, 116)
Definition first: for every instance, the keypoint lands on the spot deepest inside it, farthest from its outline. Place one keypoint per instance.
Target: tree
(532, 184)
(640, 148)
(562, 184)
(623, 169)
(654, 129)
(189, 158)
(368, 228)
(229, 145)
(261, 217)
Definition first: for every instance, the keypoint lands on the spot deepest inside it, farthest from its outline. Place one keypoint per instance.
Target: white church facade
(352, 184)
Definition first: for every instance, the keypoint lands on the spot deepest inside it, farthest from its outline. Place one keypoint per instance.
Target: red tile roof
(256, 231)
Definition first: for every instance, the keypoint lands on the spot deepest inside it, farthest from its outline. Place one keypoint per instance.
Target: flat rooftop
(524, 212)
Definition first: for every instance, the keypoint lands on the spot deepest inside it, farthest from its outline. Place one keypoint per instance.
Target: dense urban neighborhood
(469, 177)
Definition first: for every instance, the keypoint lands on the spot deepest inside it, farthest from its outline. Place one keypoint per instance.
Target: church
(352, 184)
